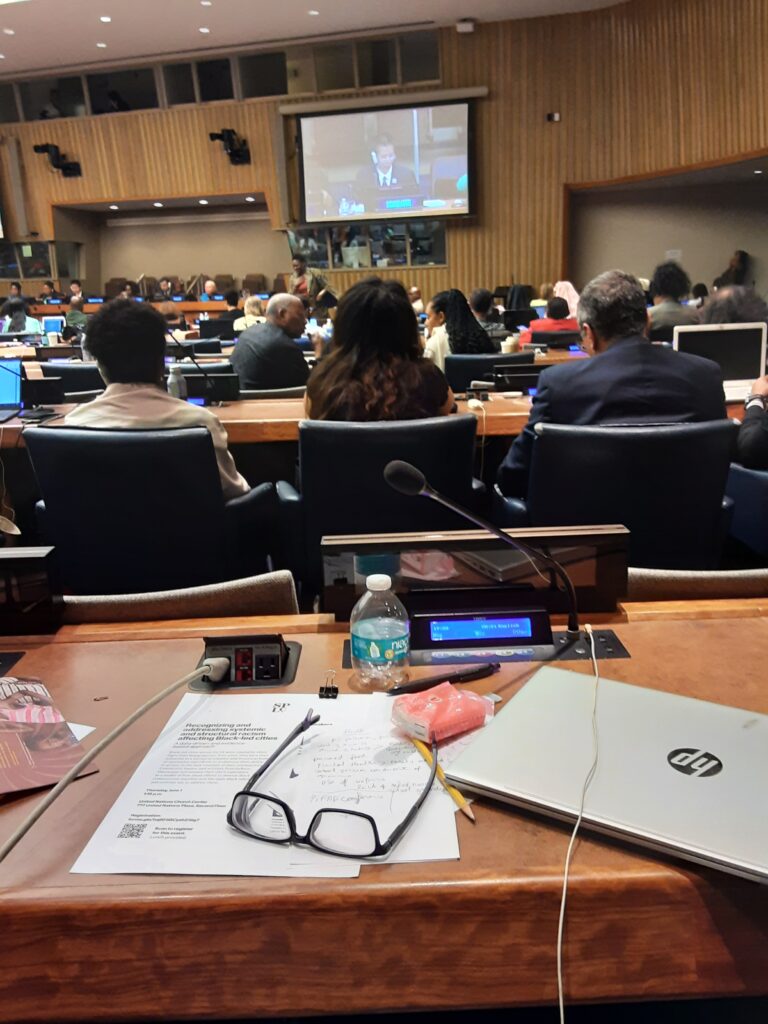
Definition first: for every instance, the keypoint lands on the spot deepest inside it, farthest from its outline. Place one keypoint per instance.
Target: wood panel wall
(641, 88)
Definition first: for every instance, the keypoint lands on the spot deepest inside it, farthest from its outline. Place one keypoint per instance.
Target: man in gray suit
(266, 355)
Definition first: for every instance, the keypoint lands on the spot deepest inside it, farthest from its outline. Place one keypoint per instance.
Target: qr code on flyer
(132, 831)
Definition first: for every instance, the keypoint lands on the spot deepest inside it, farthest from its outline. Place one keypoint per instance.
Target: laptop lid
(10, 383)
(682, 776)
(53, 324)
(739, 349)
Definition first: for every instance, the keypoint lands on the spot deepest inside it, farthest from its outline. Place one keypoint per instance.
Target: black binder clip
(329, 690)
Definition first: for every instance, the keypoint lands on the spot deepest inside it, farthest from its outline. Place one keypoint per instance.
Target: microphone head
(405, 478)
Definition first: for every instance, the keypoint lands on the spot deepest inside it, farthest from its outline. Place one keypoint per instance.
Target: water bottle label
(387, 651)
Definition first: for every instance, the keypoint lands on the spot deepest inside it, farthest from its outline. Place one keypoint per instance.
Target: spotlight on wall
(57, 160)
(236, 149)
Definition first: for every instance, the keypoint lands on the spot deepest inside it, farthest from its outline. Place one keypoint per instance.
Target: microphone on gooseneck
(408, 480)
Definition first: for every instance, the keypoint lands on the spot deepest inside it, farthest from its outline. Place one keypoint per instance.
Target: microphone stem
(557, 568)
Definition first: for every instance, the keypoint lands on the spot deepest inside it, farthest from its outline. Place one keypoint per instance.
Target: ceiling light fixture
(2, 56)
(314, 13)
(758, 172)
(114, 206)
(102, 46)
(250, 199)
(158, 205)
(9, 32)
(205, 31)
(105, 18)
(203, 202)
(206, 3)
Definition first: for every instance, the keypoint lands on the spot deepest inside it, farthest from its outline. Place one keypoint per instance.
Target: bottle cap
(378, 581)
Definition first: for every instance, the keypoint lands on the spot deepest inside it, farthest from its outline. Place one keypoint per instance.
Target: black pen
(466, 675)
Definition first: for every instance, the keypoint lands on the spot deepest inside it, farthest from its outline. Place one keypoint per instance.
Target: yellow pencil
(452, 792)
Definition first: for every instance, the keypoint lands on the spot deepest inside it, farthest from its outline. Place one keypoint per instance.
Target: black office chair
(514, 319)
(748, 488)
(75, 377)
(664, 333)
(461, 370)
(556, 339)
(343, 491)
(218, 367)
(131, 511)
(224, 330)
(212, 347)
(665, 482)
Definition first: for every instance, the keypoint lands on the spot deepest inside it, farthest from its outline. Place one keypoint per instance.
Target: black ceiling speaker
(68, 168)
(236, 149)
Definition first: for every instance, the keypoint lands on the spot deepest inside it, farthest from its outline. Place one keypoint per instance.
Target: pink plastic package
(440, 712)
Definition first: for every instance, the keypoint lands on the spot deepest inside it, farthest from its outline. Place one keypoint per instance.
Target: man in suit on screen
(385, 173)
(627, 380)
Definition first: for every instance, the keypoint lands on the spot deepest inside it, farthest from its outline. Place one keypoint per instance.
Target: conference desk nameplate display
(146, 947)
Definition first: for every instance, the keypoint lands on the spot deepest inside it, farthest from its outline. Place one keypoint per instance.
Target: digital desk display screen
(480, 629)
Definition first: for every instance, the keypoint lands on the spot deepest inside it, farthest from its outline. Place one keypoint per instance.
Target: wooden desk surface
(480, 931)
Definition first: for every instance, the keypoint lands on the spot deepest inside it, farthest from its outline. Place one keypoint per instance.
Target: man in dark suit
(266, 355)
(628, 380)
(164, 291)
(753, 433)
(386, 174)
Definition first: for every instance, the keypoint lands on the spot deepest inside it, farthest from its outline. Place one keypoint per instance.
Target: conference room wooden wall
(642, 88)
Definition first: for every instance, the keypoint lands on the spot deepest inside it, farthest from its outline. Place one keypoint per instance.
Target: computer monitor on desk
(739, 350)
(10, 386)
(224, 330)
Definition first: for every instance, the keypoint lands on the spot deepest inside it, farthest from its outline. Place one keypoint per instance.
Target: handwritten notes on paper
(171, 817)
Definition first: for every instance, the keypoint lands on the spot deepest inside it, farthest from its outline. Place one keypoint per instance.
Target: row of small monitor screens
(98, 300)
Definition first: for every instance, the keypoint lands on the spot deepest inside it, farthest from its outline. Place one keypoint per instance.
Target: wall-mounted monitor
(387, 164)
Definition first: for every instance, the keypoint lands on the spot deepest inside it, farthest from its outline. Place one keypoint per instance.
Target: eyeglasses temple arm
(397, 834)
(309, 720)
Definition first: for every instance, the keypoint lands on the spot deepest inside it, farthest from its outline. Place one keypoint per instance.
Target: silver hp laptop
(681, 776)
(739, 349)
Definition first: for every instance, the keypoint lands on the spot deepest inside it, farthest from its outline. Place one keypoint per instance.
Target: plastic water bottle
(380, 636)
(177, 386)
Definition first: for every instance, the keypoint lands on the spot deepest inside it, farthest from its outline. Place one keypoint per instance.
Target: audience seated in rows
(734, 305)
(557, 319)
(253, 313)
(452, 329)
(669, 286)
(15, 319)
(266, 355)
(232, 312)
(628, 380)
(376, 369)
(128, 343)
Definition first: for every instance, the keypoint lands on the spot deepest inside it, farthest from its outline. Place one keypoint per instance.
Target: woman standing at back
(453, 329)
(376, 369)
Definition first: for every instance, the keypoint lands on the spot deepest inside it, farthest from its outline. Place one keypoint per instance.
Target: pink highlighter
(441, 712)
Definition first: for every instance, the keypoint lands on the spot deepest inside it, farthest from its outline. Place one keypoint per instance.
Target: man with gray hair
(266, 355)
(627, 380)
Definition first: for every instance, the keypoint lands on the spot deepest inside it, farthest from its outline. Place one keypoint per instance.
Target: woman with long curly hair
(376, 369)
(453, 328)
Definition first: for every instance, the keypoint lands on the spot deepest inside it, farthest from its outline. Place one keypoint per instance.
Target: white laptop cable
(587, 781)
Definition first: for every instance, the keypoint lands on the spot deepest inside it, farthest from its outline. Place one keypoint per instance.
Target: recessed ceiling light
(250, 199)
(203, 202)
(9, 32)
(2, 56)
(158, 205)
(105, 18)
(102, 46)
(114, 206)
(205, 31)
(313, 13)
(206, 3)
(758, 172)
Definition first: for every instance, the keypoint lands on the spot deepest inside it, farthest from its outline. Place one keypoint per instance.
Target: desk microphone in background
(408, 480)
(191, 355)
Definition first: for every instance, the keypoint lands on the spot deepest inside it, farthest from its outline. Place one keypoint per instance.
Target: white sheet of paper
(80, 731)
(171, 817)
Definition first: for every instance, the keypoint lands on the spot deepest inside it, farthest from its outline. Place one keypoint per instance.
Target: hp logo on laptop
(691, 761)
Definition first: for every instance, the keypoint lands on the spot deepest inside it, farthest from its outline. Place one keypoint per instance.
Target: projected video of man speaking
(380, 164)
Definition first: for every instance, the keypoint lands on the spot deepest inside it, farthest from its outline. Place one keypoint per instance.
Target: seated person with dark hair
(669, 286)
(752, 445)
(164, 290)
(734, 305)
(451, 329)
(232, 311)
(266, 355)
(486, 314)
(127, 341)
(628, 380)
(558, 318)
(49, 292)
(375, 369)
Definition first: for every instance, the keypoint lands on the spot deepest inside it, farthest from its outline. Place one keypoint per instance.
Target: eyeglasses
(340, 832)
